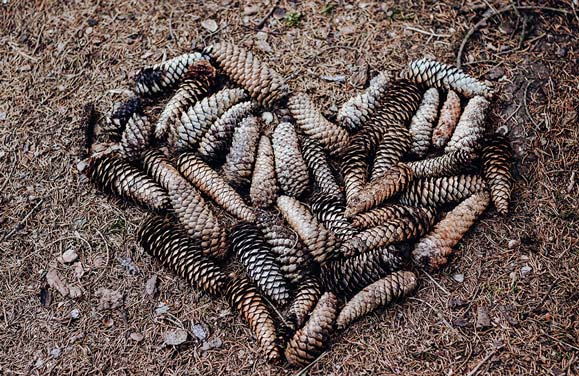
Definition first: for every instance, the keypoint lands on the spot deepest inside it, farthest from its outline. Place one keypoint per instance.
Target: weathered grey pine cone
(264, 188)
(422, 123)
(115, 122)
(136, 136)
(240, 159)
(290, 167)
(469, 132)
(320, 170)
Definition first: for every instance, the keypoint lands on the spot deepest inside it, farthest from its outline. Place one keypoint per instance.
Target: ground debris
(483, 320)
(68, 256)
(53, 279)
(175, 337)
(109, 299)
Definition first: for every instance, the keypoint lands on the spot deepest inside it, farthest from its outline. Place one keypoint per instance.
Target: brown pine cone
(348, 276)
(311, 340)
(240, 159)
(381, 215)
(449, 115)
(162, 239)
(423, 122)
(329, 210)
(444, 165)
(435, 192)
(136, 136)
(471, 127)
(320, 170)
(307, 295)
(263, 83)
(395, 142)
(214, 186)
(114, 175)
(313, 124)
(400, 102)
(116, 122)
(432, 250)
(497, 160)
(244, 298)
(263, 189)
(377, 295)
(290, 167)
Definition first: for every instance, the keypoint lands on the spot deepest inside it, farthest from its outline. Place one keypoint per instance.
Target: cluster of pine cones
(320, 221)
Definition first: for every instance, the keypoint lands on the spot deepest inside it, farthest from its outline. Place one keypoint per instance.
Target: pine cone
(357, 110)
(290, 168)
(245, 299)
(391, 183)
(249, 245)
(193, 124)
(329, 210)
(394, 144)
(136, 137)
(313, 124)
(348, 276)
(432, 250)
(436, 192)
(449, 115)
(116, 122)
(217, 139)
(423, 122)
(311, 340)
(394, 231)
(320, 242)
(209, 182)
(443, 165)
(470, 129)
(307, 295)
(263, 83)
(239, 162)
(434, 74)
(380, 216)
(162, 77)
(319, 168)
(263, 189)
(162, 239)
(400, 102)
(497, 160)
(376, 295)
(198, 81)
(117, 176)
(190, 208)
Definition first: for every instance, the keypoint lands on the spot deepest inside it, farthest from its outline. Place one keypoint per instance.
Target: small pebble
(74, 314)
(213, 343)
(175, 337)
(513, 244)
(68, 256)
(458, 278)
(137, 337)
(526, 270)
(55, 353)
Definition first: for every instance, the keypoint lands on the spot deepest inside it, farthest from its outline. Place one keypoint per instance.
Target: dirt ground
(523, 270)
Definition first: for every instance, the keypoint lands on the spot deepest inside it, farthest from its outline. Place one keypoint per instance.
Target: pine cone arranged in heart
(448, 164)
(240, 159)
(116, 122)
(350, 275)
(432, 250)
(193, 212)
(357, 110)
(217, 140)
(198, 80)
(263, 188)
(449, 115)
(395, 142)
(497, 160)
(381, 215)
(306, 297)
(208, 181)
(188, 131)
(248, 243)
(136, 136)
(244, 298)
(376, 295)
(162, 239)
(263, 83)
(320, 170)
(290, 167)
(160, 78)
(436, 192)
(434, 74)
(470, 129)
(329, 210)
(311, 340)
(423, 122)
(113, 174)
(320, 242)
(313, 124)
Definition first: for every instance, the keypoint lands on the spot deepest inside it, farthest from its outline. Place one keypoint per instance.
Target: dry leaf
(210, 25)
(54, 281)
(175, 337)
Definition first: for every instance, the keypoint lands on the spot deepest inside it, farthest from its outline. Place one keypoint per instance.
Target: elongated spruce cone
(263, 83)
(307, 295)
(116, 122)
(377, 295)
(240, 159)
(448, 164)
(449, 115)
(320, 242)
(113, 174)
(471, 126)
(290, 167)
(313, 124)
(263, 189)
(199, 79)
(395, 143)
(348, 276)
(381, 215)
(400, 102)
(213, 185)
(433, 250)
(162, 77)
(311, 340)
(329, 210)
(249, 245)
(162, 239)
(423, 122)
(244, 298)
(497, 160)
(434, 74)
(320, 170)
(136, 136)
(434, 192)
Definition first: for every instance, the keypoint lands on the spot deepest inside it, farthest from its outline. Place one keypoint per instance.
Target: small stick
(21, 223)
(483, 361)
(411, 28)
(303, 371)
